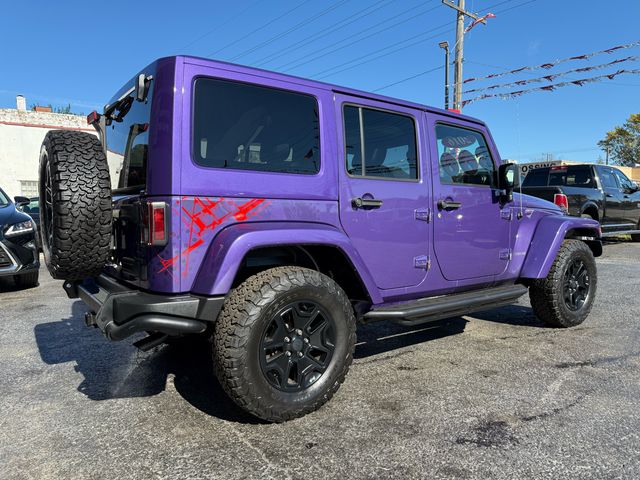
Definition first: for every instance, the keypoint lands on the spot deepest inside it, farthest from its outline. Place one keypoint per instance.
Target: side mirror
(508, 180)
(21, 201)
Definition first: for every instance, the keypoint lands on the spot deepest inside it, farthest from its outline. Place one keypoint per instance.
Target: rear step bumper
(120, 311)
(446, 306)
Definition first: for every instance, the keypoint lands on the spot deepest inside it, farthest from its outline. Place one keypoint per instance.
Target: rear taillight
(157, 224)
(561, 200)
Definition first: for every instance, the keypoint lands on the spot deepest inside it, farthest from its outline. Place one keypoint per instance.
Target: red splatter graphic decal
(204, 216)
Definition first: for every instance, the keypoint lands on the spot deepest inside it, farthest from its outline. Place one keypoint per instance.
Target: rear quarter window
(249, 127)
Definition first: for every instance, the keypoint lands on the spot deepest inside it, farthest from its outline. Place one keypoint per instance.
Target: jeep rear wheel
(565, 297)
(75, 198)
(284, 342)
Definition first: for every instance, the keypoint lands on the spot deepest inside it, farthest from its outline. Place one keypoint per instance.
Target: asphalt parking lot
(494, 395)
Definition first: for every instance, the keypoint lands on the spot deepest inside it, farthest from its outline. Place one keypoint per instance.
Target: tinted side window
(380, 144)
(608, 179)
(249, 127)
(353, 147)
(625, 183)
(536, 178)
(464, 156)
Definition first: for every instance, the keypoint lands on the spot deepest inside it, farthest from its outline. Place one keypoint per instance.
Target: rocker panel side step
(432, 309)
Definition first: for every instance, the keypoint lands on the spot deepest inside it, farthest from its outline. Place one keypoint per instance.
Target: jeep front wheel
(565, 297)
(284, 342)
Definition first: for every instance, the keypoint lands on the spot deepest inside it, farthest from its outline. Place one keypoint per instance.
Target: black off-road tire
(547, 294)
(239, 330)
(635, 237)
(27, 280)
(75, 202)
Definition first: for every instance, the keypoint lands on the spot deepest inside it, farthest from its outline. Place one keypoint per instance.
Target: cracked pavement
(493, 395)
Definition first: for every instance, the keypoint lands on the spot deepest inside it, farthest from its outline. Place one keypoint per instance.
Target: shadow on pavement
(383, 337)
(512, 315)
(118, 370)
(376, 338)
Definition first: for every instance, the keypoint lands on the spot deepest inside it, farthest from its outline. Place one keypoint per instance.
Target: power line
(324, 33)
(377, 54)
(288, 12)
(316, 57)
(409, 78)
(251, 5)
(297, 26)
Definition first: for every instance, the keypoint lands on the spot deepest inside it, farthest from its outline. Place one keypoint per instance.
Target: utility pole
(457, 80)
(445, 47)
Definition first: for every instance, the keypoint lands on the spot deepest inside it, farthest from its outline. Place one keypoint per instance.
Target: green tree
(623, 143)
(66, 110)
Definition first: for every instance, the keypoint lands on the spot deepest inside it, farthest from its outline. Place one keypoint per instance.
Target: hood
(529, 201)
(9, 215)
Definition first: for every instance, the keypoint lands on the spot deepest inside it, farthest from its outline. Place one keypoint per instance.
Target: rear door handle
(360, 202)
(448, 205)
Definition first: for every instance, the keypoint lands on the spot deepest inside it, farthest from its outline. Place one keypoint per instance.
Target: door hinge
(422, 261)
(423, 214)
(506, 214)
(505, 254)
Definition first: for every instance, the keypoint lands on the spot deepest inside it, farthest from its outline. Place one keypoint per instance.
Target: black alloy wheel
(283, 342)
(565, 297)
(297, 346)
(576, 285)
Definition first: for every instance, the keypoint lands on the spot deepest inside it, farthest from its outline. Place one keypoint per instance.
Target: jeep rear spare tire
(75, 200)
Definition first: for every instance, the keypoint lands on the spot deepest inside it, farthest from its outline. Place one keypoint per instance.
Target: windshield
(4, 200)
(128, 142)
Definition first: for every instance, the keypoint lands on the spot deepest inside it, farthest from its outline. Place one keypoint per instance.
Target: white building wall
(21, 135)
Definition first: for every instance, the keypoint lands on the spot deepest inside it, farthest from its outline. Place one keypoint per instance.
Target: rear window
(128, 143)
(573, 176)
(536, 178)
(580, 176)
(249, 127)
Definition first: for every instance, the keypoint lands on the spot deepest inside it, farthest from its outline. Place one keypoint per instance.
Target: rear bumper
(120, 311)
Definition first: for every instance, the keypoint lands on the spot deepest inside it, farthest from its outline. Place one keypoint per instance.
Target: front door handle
(360, 202)
(448, 205)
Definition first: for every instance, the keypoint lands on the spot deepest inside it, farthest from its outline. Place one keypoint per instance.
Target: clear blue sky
(81, 52)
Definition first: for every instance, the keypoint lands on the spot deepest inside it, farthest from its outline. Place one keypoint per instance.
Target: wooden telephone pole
(457, 75)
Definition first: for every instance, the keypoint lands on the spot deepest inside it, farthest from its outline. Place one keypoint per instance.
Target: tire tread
(241, 310)
(81, 190)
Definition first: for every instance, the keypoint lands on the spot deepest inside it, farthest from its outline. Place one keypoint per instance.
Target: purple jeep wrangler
(273, 213)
